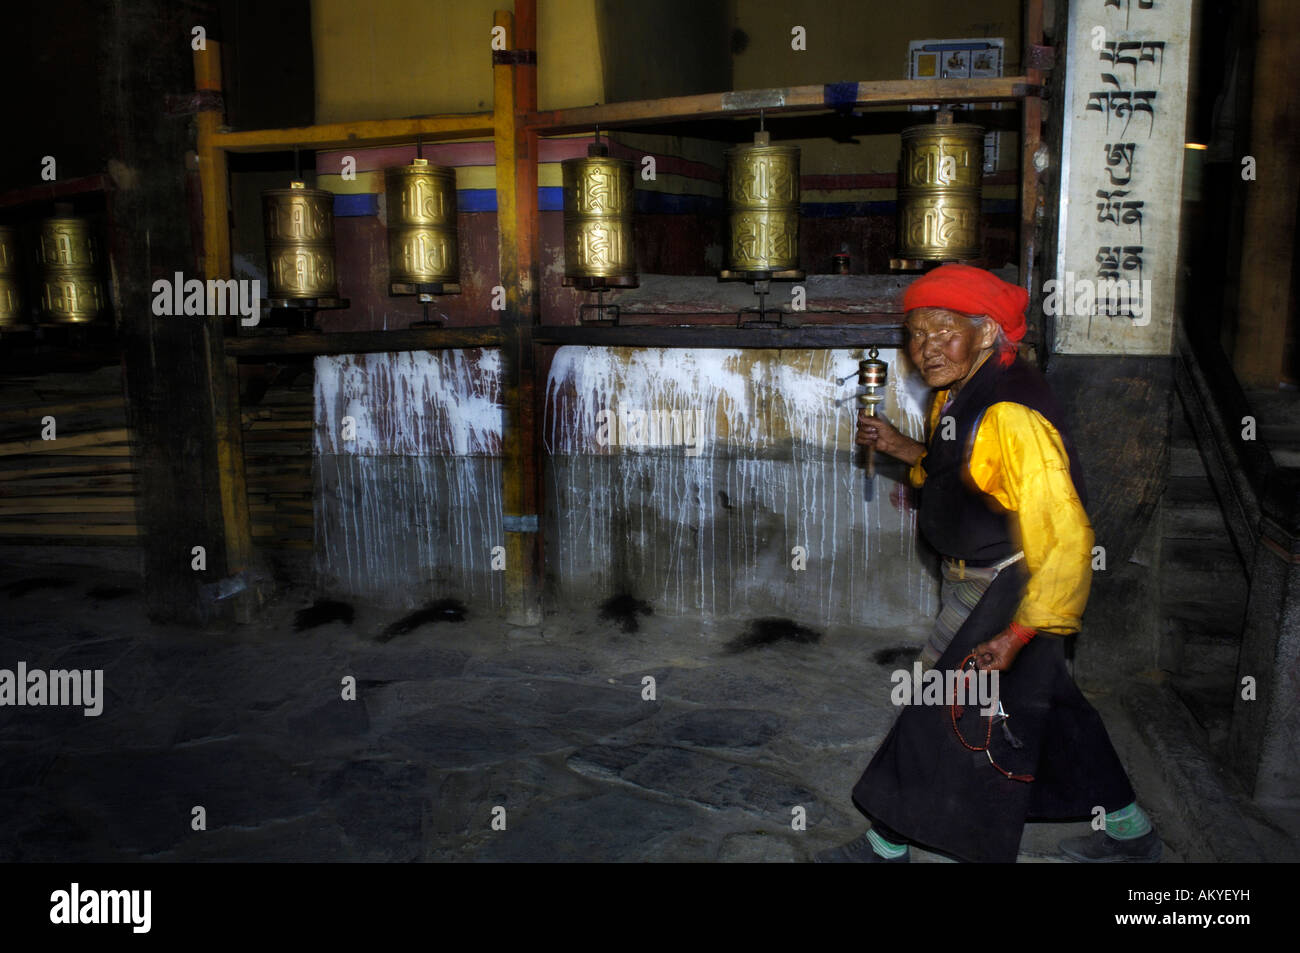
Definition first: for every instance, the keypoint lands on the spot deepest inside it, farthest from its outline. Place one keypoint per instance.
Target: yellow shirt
(1018, 458)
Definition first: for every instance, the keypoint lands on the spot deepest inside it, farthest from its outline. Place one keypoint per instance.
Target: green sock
(1128, 823)
(884, 848)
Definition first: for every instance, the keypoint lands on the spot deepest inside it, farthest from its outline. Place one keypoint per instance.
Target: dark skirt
(925, 787)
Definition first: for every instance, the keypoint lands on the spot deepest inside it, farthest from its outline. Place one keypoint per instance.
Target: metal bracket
(200, 101)
(514, 57)
(1041, 57)
(512, 523)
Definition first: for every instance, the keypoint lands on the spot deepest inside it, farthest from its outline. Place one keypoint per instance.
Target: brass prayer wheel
(68, 255)
(939, 192)
(11, 299)
(598, 200)
(422, 235)
(763, 204)
(298, 224)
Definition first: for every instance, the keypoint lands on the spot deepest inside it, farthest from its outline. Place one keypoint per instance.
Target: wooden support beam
(213, 177)
(230, 459)
(1268, 290)
(222, 372)
(54, 191)
(812, 337)
(341, 135)
(363, 342)
(894, 92)
(514, 96)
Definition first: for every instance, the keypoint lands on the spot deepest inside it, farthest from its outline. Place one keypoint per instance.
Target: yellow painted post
(222, 372)
(212, 166)
(1268, 285)
(514, 95)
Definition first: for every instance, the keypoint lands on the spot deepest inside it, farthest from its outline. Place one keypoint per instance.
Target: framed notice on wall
(958, 59)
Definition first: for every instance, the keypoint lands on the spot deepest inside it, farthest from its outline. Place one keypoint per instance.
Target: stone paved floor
(451, 721)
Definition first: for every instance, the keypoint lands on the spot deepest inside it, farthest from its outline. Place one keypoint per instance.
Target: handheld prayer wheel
(939, 192)
(763, 206)
(599, 251)
(11, 301)
(871, 378)
(422, 235)
(67, 253)
(298, 224)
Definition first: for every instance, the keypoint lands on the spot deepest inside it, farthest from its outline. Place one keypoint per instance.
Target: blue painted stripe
(358, 203)
(476, 200)
(551, 199)
(664, 203)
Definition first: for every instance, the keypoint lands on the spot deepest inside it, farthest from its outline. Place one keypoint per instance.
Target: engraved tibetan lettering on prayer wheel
(598, 201)
(11, 299)
(763, 201)
(68, 255)
(939, 192)
(422, 236)
(298, 224)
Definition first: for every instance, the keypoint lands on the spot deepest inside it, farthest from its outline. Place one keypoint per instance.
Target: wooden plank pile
(277, 465)
(80, 487)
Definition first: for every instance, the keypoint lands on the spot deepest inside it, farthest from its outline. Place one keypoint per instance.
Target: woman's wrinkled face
(944, 345)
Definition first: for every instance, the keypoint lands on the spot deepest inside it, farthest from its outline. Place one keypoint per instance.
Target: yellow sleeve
(1018, 458)
(916, 472)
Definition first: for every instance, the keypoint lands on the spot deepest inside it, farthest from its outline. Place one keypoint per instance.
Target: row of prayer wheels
(763, 205)
(423, 255)
(939, 206)
(70, 290)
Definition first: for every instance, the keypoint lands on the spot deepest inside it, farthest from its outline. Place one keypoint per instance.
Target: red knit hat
(971, 291)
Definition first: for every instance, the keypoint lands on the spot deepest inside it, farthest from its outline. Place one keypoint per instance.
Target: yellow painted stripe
(365, 182)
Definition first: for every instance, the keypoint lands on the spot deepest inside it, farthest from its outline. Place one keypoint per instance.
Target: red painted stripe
(439, 153)
(669, 165)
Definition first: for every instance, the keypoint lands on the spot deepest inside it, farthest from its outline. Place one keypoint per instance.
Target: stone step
(1221, 594)
(1206, 805)
(1209, 627)
(1209, 660)
(1186, 521)
(1183, 490)
(1208, 698)
(1185, 461)
(1204, 567)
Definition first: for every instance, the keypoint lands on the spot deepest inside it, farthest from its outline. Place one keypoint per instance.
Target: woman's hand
(997, 654)
(880, 433)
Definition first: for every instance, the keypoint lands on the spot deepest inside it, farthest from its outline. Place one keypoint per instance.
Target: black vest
(957, 518)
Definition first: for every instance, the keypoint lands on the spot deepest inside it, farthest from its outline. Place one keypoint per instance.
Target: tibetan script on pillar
(1126, 101)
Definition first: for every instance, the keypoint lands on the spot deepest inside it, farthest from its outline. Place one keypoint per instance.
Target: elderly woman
(1001, 492)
